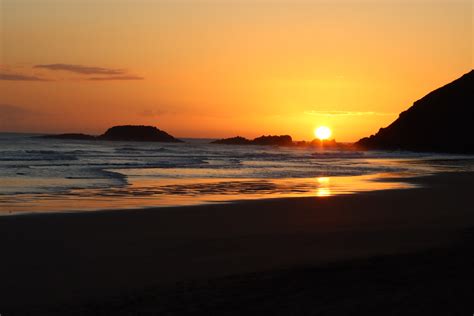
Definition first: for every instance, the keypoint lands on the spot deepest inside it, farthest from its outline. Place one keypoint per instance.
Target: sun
(322, 132)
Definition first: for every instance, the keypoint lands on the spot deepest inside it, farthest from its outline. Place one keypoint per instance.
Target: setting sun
(322, 132)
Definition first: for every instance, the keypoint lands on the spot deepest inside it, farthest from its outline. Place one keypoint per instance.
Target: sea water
(38, 174)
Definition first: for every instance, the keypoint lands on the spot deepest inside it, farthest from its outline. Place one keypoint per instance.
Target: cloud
(101, 73)
(127, 77)
(346, 113)
(20, 77)
(83, 70)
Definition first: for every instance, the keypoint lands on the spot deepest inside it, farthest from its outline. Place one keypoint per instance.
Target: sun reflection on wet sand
(322, 192)
(144, 193)
(324, 188)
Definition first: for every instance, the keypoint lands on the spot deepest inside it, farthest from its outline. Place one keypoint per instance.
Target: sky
(222, 68)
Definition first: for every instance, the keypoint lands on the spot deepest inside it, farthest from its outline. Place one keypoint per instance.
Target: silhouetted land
(124, 133)
(442, 121)
(396, 252)
(74, 136)
(283, 140)
(137, 133)
(273, 140)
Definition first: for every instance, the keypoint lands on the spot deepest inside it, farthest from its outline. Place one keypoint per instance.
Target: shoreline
(287, 188)
(66, 259)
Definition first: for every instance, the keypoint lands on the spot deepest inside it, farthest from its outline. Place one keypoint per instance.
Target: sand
(128, 261)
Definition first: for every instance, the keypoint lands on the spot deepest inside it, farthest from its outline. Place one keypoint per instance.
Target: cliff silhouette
(273, 140)
(137, 133)
(442, 121)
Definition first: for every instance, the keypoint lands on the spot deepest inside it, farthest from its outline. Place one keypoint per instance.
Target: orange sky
(200, 68)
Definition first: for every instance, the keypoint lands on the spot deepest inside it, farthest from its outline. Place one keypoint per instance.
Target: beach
(144, 260)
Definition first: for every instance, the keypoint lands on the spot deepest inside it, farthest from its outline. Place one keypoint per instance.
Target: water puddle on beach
(145, 193)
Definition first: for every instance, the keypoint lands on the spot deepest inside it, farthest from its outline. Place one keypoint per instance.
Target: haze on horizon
(215, 69)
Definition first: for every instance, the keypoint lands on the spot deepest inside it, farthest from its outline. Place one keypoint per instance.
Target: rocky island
(137, 133)
(442, 121)
(273, 140)
(285, 140)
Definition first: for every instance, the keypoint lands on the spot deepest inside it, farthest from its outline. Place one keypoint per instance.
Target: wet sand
(127, 261)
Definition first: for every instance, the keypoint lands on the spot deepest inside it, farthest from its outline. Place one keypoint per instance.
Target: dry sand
(128, 261)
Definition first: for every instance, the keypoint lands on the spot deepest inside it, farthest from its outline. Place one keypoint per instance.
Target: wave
(45, 169)
(42, 158)
(338, 154)
(138, 150)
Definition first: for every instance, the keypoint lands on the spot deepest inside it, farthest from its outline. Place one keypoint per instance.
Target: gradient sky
(224, 68)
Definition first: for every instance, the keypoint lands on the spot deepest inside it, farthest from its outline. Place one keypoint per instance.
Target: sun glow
(322, 132)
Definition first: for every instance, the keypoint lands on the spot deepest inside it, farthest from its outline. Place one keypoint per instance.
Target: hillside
(442, 121)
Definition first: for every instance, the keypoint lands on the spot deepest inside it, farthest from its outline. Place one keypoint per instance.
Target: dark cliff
(442, 121)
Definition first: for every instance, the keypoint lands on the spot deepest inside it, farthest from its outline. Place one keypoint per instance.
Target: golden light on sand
(322, 132)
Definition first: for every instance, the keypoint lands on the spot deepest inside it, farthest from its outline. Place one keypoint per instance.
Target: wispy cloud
(347, 113)
(100, 73)
(83, 70)
(128, 77)
(20, 77)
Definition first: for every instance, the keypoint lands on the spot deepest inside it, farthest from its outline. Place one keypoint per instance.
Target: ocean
(48, 175)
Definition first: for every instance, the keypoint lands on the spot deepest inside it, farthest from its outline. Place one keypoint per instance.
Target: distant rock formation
(282, 140)
(238, 140)
(137, 133)
(74, 136)
(442, 121)
(327, 144)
